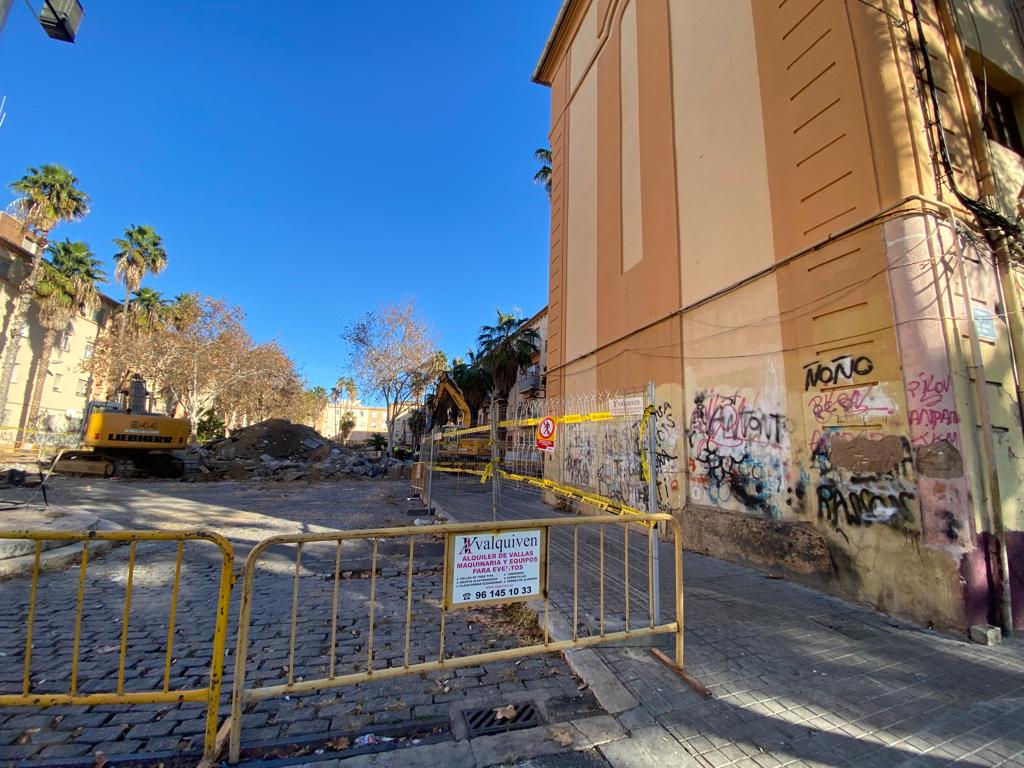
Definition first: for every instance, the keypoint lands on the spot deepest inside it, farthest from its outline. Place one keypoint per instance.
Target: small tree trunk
(388, 426)
(42, 368)
(391, 437)
(19, 312)
(124, 312)
(193, 418)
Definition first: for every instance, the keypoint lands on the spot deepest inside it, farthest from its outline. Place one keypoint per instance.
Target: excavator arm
(447, 387)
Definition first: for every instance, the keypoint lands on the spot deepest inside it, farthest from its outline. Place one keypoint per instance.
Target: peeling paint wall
(817, 408)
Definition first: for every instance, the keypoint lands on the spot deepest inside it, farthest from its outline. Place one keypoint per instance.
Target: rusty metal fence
(111, 687)
(335, 578)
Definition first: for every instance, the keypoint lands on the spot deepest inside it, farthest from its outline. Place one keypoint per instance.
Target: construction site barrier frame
(242, 696)
(209, 694)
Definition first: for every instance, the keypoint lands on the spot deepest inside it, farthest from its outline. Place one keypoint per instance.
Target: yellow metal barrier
(210, 693)
(243, 696)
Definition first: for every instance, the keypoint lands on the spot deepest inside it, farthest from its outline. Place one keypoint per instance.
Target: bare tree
(393, 352)
(197, 354)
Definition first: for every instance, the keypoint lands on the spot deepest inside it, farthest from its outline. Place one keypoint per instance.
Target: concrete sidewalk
(797, 677)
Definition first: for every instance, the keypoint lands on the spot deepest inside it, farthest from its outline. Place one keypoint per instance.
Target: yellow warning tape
(592, 499)
(442, 436)
(572, 418)
(645, 470)
(457, 470)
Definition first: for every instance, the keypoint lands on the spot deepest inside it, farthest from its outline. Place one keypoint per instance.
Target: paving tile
(650, 747)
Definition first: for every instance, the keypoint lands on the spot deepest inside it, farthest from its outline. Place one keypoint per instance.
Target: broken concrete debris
(277, 449)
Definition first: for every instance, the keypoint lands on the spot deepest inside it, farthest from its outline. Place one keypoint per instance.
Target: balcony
(529, 380)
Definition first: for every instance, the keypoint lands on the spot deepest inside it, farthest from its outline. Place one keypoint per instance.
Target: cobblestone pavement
(797, 677)
(247, 513)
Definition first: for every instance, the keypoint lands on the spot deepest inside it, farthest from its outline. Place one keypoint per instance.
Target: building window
(82, 388)
(5, 267)
(1000, 119)
(58, 381)
(89, 349)
(99, 316)
(25, 331)
(64, 342)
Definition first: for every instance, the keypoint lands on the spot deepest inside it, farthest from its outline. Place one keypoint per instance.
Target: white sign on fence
(495, 567)
(631, 405)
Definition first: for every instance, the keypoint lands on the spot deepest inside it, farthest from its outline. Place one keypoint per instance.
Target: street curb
(59, 558)
(485, 751)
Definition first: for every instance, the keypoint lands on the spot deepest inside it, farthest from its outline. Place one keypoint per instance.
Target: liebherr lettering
(123, 438)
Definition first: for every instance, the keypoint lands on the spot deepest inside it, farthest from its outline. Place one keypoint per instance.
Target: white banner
(495, 567)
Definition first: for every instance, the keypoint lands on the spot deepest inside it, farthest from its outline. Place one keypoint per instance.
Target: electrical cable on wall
(978, 208)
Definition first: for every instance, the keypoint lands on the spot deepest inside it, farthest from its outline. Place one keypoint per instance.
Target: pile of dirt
(278, 438)
(277, 449)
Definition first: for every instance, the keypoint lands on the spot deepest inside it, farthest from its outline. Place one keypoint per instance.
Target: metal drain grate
(484, 722)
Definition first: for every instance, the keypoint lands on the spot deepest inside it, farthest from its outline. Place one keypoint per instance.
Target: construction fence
(592, 454)
(323, 612)
(317, 612)
(595, 450)
(341, 630)
(71, 654)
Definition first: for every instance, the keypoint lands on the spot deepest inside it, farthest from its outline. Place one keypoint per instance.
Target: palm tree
(141, 253)
(543, 176)
(417, 424)
(147, 311)
(318, 397)
(148, 308)
(345, 385)
(67, 284)
(505, 348)
(346, 425)
(474, 379)
(49, 195)
(183, 310)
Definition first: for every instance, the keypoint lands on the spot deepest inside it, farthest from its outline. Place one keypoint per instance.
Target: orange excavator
(126, 439)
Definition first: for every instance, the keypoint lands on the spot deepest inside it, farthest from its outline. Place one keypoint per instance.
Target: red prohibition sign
(547, 428)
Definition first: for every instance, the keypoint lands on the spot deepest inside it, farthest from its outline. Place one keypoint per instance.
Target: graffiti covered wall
(737, 431)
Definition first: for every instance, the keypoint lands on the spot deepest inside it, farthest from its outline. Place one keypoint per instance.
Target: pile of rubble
(277, 449)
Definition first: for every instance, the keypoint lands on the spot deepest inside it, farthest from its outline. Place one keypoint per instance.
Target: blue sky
(305, 167)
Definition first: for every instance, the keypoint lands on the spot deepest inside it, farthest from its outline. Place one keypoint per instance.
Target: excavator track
(85, 463)
(125, 468)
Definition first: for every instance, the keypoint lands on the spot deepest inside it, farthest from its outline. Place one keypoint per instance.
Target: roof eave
(556, 28)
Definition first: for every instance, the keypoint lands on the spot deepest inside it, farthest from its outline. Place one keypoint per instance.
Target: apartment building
(798, 217)
(532, 379)
(368, 418)
(67, 387)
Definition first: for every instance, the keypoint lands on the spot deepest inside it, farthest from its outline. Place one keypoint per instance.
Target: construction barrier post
(430, 469)
(495, 458)
(652, 504)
